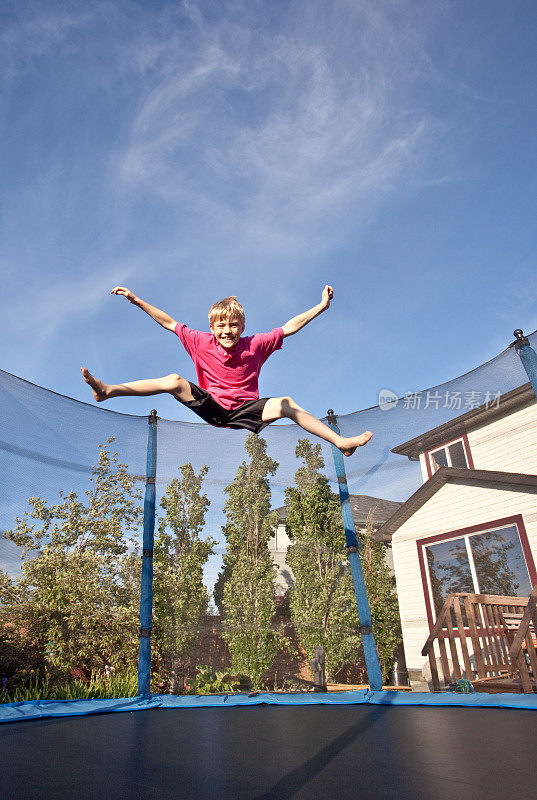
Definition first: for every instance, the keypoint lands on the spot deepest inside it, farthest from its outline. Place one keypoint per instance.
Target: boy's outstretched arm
(159, 316)
(298, 322)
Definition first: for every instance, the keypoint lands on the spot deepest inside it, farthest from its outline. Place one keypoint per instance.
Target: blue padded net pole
(146, 595)
(528, 356)
(354, 548)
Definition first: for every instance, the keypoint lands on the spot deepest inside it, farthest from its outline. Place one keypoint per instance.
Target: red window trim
(484, 526)
(466, 445)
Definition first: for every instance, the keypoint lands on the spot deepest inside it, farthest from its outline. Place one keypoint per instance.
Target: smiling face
(227, 332)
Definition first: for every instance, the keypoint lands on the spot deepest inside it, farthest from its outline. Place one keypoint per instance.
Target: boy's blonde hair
(227, 308)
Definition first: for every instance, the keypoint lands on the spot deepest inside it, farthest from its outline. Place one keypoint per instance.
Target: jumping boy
(227, 367)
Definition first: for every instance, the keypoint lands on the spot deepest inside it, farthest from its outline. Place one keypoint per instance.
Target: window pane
(439, 459)
(449, 569)
(500, 563)
(457, 455)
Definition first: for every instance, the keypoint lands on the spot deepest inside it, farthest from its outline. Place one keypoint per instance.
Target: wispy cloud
(273, 130)
(37, 30)
(210, 134)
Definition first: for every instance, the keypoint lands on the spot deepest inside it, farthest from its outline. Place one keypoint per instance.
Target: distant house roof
(361, 505)
(484, 414)
(466, 477)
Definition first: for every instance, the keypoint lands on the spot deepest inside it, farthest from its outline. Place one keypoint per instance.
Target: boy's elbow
(288, 330)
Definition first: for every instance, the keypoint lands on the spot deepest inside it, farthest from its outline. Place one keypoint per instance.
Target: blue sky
(200, 149)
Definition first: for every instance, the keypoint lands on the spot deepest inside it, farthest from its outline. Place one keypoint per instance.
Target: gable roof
(477, 417)
(361, 505)
(466, 477)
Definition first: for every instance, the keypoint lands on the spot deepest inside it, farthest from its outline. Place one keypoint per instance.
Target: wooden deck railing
(522, 651)
(480, 619)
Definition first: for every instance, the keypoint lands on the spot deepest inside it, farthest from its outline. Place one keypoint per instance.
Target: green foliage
(180, 598)
(249, 613)
(76, 602)
(208, 681)
(218, 592)
(248, 592)
(101, 686)
(323, 606)
(382, 597)
(250, 522)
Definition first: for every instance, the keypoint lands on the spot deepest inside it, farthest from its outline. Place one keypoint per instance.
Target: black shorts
(248, 416)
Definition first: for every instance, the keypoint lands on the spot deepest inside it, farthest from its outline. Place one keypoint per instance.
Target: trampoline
(370, 746)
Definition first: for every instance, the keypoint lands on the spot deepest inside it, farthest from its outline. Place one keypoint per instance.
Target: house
(472, 525)
(362, 505)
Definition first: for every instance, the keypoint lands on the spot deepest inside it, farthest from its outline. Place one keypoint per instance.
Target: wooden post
(453, 647)
(434, 669)
(317, 665)
(462, 636)
(480, 666)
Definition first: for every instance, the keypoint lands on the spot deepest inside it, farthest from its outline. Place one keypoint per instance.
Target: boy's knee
(286, 404)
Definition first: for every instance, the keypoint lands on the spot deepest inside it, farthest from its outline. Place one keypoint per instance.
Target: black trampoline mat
(274, 752)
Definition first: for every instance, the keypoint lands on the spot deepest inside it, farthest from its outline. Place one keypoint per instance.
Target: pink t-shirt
(230, 376)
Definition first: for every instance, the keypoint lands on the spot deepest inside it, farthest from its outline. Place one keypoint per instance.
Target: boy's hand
(122, 290)
(328, 294)
(297, 323)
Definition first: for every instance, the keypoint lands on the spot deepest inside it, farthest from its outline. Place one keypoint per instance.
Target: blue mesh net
(48, 444)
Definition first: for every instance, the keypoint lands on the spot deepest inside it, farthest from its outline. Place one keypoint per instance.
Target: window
(454, 454)
(487, 562)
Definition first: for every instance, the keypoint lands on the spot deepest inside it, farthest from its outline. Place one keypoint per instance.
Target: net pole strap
(146, 593)
(374, 673)
(528, 356)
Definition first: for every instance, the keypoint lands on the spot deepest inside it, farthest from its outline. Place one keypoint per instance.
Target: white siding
(508, 443)
(277, 545)
(280, 541)
(283, 575)
(451, 508)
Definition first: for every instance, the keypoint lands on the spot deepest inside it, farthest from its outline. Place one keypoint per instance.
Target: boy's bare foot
(348, 446)
(97, 387)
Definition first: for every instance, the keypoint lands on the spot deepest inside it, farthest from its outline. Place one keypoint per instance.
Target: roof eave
(508, 402)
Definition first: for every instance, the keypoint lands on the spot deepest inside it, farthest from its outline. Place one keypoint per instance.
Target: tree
(380, 587)
(323, 602)
(218, 592)
(76, 602)
(323, 605)
(180, 598)
(248, 593)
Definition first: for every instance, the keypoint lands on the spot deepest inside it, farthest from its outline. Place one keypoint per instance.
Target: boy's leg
(173, 384)
(280, 407)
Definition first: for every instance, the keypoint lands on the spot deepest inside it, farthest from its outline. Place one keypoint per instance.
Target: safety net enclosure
(91, 607)
(74, 478)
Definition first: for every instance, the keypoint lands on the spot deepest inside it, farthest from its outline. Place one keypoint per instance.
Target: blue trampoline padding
(41, 709)
(476, 700)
